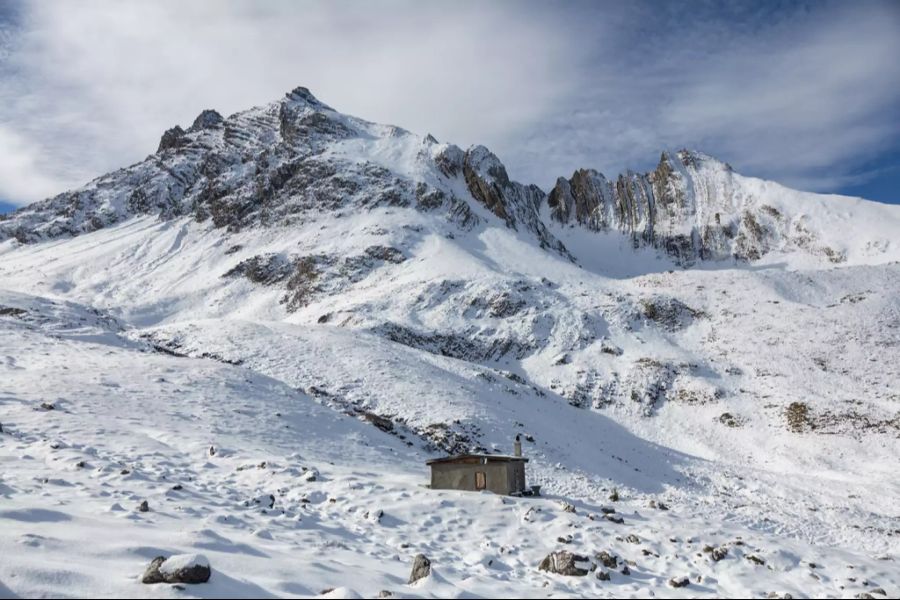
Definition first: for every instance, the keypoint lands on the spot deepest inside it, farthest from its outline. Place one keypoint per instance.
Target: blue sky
(807, 94)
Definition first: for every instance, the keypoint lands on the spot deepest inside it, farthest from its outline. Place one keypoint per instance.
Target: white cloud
(804, 96)
(21, 175)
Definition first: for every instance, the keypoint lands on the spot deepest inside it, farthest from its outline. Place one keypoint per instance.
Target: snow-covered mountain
(304, 289)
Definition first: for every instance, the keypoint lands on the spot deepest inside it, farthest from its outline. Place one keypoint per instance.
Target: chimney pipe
(517, 446)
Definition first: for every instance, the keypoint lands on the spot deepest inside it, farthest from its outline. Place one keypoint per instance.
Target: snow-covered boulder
(179, 568)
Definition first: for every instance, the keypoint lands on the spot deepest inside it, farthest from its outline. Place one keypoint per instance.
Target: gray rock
(679, 582)
(564, 562)
(421, 568)
(608, 560)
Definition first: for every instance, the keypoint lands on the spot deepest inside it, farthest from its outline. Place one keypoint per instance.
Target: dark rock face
(564, 562)
(421, 568)
(173, 138)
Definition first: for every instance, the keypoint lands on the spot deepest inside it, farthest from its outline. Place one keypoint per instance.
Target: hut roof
(477, 459)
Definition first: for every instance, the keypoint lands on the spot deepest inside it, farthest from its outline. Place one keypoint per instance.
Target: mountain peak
(207, 120)
(302, 94)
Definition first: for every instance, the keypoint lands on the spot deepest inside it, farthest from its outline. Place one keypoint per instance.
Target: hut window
(480, 483)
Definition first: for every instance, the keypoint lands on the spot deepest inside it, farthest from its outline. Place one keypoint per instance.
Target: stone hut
(498, 473)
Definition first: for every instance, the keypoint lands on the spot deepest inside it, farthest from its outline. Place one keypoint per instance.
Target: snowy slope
(277, 283)
(290, 498)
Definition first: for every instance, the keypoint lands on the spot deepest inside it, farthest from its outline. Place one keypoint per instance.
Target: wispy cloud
(804, 95)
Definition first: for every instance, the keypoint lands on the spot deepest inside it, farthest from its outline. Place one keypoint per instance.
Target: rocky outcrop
(173, 138)
(304, 277)
(687, 207)
(516, 204)
(669, 313)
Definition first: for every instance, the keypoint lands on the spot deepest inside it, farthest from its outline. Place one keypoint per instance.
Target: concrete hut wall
(500, 477)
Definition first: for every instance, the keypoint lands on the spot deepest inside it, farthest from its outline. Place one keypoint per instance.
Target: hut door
(480, 480)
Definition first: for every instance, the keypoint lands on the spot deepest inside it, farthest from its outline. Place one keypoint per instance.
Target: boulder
(179, 568)
(421, 568)
(564, 562)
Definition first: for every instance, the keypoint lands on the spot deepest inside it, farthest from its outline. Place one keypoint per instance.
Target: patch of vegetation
(302, 283)
(834, 256)
(798, 417)
(669, 312)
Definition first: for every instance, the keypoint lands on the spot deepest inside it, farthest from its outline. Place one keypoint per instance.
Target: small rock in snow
(607, 559)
